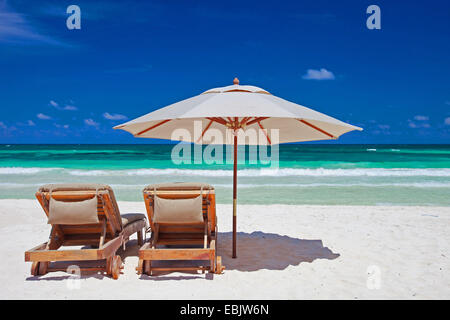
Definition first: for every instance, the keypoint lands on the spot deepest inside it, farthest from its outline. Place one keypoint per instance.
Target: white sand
(284, 252)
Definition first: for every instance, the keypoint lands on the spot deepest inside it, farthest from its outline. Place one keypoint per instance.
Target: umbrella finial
(236, 81)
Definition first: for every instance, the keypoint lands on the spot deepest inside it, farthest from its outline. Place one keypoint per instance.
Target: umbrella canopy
(254, 107)
(237, 108)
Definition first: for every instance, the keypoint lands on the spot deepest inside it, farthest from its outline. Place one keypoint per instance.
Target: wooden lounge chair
(179, 219)
(83, 215)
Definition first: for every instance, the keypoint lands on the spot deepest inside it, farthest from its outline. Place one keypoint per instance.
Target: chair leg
(140, 238)
(140, 267)
(109, 261)
(35, 268)
(43, 267)
(147, 267)
(219, 267)
(116, 267)
(39, 268)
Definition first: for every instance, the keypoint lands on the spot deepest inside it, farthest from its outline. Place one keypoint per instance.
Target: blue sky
(132, 57)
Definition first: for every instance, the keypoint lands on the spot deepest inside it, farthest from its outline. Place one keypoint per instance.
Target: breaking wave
(268, 172)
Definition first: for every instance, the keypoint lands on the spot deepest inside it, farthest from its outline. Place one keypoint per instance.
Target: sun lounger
(83, 215)
(181, 215)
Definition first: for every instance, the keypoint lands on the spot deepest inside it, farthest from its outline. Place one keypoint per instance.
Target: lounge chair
(83, 215)
(180, 215)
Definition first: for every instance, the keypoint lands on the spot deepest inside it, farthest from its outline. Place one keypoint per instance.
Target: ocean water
(304, 174)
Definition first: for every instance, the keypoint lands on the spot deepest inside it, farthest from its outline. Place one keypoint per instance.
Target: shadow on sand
(259, 250)
(132, 249)
(255, 251)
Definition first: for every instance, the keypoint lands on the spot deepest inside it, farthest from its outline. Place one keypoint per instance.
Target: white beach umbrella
(235, 109)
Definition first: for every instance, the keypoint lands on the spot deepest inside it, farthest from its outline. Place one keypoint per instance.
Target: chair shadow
(255, 251)
(259, 250)
(83, 275)
(132, 249)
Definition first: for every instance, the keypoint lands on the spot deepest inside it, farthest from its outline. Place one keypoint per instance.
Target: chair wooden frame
(181, 235)
(108, 235)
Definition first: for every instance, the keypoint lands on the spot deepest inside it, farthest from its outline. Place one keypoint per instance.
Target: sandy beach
(284, 252)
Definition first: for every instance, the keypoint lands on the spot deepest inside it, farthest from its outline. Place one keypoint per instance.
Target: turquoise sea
(305, 174)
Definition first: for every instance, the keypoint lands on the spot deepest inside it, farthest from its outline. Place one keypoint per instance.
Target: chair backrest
(181, 192)
(68, 198)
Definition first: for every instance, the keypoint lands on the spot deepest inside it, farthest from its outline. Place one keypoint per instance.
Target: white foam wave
(277, 185)
(263, 172)
(319, 172)
(343, 185)
(20, 170)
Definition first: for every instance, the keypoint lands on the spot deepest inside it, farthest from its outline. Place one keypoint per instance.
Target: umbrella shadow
(259, 250)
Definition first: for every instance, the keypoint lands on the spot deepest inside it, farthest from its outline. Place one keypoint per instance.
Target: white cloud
(54, 103)
(420, 124)
(421, 121)
(447, 121)
(16, 29)
(322, 74)
(91, 122)
(43, 116)
(421, 118)
(7, 129)
(66, 107)
(114, 116)
(65, 126)
(29, 123)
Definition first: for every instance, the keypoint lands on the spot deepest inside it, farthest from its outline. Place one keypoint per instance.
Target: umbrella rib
(317, 128)
(218, 120)
(265, 132)
(204, 131)
(244, 121)
(256, 120)
(153, 127)
(248, 119)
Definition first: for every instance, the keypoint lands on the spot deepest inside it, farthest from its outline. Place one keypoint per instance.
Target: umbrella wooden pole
(234, 195)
